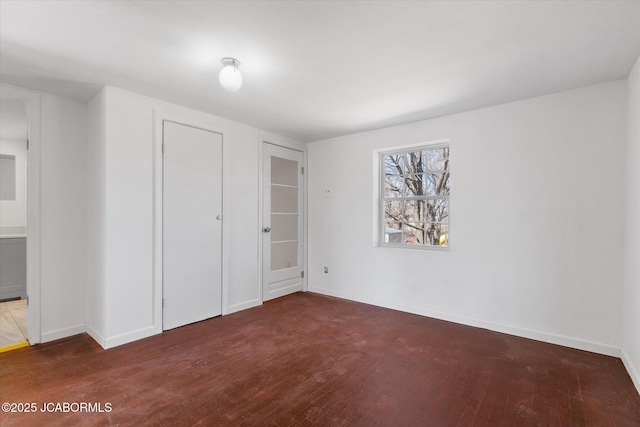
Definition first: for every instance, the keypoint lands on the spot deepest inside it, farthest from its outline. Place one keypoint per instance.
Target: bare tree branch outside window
(415, 196)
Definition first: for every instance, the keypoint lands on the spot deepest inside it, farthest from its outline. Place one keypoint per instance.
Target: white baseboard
(62, 333)
(128, 337)
(93, 333)
(332, 293)
(579, 344)
(243, 306)
(634, 373)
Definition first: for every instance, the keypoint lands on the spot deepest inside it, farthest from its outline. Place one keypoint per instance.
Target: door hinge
(27, 143)
(302, 274)
(162, 302)
(302, 170)
(163, 148)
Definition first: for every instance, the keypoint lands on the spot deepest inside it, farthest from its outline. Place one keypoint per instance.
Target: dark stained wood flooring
(308, 359)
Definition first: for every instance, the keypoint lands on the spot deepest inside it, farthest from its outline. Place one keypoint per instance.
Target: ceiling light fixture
(230, 77)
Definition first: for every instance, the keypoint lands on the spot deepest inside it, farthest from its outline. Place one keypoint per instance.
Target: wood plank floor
(308, 359)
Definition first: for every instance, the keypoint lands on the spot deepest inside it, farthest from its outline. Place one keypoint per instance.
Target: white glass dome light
(230, 76)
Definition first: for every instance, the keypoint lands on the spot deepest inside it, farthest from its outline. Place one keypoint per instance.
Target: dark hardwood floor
(308, 359)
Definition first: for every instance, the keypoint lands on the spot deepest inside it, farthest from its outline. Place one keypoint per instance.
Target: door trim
(297, 146)
(159, 117)
(32, 101)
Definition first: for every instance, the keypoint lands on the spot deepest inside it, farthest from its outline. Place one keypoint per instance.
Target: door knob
(267, 229)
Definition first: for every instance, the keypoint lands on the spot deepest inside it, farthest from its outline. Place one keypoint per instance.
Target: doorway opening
(14, 134)
(29, 103)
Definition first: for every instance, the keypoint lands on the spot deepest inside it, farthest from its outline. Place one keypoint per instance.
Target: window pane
(393, 232)
(437, 234)
(414, 185)
(445, 189)
(414, 210)
(437, 210)
(436, 184)
(284, 171)
(284, 227)
(413, 233)
(394, 186)
(284, 199)
(437, 159)
(393, 210)
(410, 185)
(413, 162)
(392, 165)
(396, 164)
(284, 255)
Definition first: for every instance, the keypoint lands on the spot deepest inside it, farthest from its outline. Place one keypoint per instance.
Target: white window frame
(381, 199)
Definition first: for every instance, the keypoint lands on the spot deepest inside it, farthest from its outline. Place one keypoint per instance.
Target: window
(414, 197)
(8, 175)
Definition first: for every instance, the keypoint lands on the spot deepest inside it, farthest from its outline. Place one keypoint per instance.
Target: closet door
(192, 226)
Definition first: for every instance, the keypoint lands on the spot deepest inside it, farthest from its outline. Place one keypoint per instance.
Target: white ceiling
(318, 69)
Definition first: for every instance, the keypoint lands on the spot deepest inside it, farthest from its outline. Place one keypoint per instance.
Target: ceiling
(318, 69)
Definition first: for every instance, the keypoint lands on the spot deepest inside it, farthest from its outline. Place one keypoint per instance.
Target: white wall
(14, 212)
(63, 216)
(631, 319)
(537, 220)
(122, 171)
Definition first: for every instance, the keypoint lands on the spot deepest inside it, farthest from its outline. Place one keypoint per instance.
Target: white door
(192, 226)
(282, 219)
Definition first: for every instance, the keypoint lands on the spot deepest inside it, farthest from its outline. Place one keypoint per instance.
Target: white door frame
(293, 145)
(158, 118)
(32, 101)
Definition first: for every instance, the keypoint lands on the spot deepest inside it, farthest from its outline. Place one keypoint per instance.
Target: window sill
(416, 247)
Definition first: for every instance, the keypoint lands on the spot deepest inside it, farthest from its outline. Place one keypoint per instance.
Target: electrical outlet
(327, 192)
(326, 269)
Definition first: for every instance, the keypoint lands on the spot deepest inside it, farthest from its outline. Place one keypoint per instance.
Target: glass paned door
(282, 221)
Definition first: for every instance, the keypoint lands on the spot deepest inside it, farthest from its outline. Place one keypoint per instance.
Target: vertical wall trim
(260, 216)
